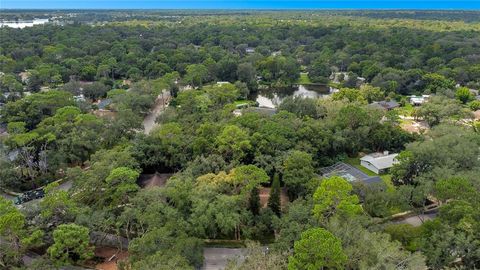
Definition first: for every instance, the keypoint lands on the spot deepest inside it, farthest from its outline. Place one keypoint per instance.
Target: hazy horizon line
(252, 9)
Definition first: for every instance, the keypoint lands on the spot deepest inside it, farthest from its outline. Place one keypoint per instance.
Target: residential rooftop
(380, 160)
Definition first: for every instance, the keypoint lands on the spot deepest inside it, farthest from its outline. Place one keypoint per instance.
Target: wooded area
(74, 95)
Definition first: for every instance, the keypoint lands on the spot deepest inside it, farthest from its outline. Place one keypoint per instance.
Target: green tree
(474, 105)
(317, 249)
(435, 82)
(254, 201)
(122, 184)
(246, 73)
(334, 195)
(95, 90)
(36, 107)
(222, 94)
(196, 75)
(298, 173)
(464, 95)
(170, 242)
(454, 188)
(349, 94)
(257, 259)
(439, 109)
(297, 218)
(57, 206)
(274, 201)
(372, 250)
(71, 245)
(8, 83)
(233, 143)
(371, 93)
(15, 238)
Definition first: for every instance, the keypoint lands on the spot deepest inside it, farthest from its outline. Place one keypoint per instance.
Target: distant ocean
(238, 4)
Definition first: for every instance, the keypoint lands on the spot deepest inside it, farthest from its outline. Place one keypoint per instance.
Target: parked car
(29, 195)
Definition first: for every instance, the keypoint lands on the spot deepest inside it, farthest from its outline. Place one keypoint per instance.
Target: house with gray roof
(378, 162)
(385, 105)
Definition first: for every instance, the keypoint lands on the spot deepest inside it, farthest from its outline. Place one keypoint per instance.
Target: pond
(271, 98)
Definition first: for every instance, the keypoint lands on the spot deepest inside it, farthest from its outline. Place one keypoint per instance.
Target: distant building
(222, 83)
(419, 100)
(79, 98)
(277, 53)
(249, 50)
(378, 162)
(350, 173)
(385, 105)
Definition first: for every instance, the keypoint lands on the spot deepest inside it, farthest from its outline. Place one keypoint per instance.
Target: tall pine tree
(254, 203)
(274, 200)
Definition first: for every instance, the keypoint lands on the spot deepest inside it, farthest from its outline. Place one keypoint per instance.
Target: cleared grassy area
(304, 79)
(355, 162)
(244, 101)
(406, 110)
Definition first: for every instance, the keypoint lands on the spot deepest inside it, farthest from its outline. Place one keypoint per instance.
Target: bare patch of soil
(265, 195)
(111, 257)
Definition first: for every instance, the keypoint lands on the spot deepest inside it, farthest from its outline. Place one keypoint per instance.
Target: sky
(239, 4)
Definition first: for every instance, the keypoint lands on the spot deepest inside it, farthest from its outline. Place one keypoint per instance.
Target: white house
(378, 162)
(249, 50)
(419, 100)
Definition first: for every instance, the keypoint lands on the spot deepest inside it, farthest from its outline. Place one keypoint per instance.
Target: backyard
(355, 162)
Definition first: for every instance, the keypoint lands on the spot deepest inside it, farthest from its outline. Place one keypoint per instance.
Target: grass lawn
(355, 162)
(406, 110)
(304, 79)
(244, 101)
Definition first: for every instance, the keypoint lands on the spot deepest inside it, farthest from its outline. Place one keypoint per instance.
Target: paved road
(6, 196)
(66, 185)
(217, 258)
(417, 220)
(160, 104)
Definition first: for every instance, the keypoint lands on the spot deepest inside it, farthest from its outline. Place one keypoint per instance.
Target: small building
(378, 162)
(79, 98)
(419, 100)
(276, 53)
(250, 50)
(350, 173)
(385, 105)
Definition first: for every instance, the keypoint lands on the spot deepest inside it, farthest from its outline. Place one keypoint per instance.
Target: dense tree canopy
(147, 127)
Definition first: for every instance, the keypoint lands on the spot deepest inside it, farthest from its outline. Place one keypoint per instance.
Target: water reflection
(271, 98)
(23, 23)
